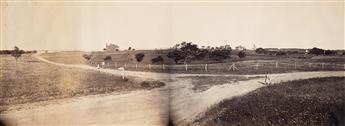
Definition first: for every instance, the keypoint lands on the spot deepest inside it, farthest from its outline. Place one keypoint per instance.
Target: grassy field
(253, 64)
(30, 80)
(316, 101)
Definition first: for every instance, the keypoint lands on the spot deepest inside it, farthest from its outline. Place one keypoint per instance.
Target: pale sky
(150, 25)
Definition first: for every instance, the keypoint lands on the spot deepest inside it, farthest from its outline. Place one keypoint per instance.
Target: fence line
(227, 66)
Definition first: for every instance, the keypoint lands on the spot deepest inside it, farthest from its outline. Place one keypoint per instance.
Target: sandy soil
(135, 108)
(149, 107)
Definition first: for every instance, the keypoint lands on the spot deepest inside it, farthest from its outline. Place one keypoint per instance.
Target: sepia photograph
(172, 63)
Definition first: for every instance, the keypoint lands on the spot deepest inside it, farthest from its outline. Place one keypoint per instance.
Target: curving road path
(147, 107)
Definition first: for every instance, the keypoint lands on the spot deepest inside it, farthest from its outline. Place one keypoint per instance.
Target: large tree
(184, 51)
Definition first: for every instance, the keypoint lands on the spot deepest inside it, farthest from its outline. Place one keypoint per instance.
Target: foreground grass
(317, 101)
(29, 80)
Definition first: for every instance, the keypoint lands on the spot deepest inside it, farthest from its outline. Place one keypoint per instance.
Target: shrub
(242, 54)
(107, 58)
(139, 57)
(220, 54)
(260, 51)
(281, 53)
(330, 52)
(152, 84)
(316, 51)
(87, 57)
(157, 59)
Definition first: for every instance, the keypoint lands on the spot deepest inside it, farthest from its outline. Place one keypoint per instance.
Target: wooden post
(123, 74)
(257, 66)
(149, 66)
(276, 64)
(295, 65)
(205, 67)
(136, 66)
(125, 65)
(163, 67)
(186, 67)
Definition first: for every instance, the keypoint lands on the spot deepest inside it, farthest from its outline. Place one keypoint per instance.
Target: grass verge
(316, 101)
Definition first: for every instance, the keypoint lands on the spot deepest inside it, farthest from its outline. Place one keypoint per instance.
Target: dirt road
(186, 105)
(149, 107)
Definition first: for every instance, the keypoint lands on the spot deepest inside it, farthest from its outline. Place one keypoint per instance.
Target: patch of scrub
(203, 83)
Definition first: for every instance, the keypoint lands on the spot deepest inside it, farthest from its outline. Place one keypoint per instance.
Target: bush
(330, 52)
(152, 84)
(139, 57)
(157, 59)
(281, 53)
(242, 54)
(260, 51)
(220, 54)
(107, 58)
(87, 57)
(316, 51)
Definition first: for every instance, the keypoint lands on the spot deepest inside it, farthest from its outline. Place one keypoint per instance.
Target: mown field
(30, 80)
(252, 64)
(315, 102)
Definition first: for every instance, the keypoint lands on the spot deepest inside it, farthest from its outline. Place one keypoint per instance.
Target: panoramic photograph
(172, 63)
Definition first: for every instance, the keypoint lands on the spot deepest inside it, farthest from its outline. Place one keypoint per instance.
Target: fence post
(136, 66)
(125, 65)
(163, 67)
(186, 67)
(206, 67)
(257, 66)
(123, 74)
(149, 66)
(295, 65)
(276, 64)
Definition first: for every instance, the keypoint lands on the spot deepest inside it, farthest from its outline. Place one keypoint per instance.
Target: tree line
(313, 51)
(16, 52)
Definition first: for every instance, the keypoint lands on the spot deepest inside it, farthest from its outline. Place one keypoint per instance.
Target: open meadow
(31, 80)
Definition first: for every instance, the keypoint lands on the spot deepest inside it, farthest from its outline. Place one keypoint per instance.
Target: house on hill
(111, 47)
